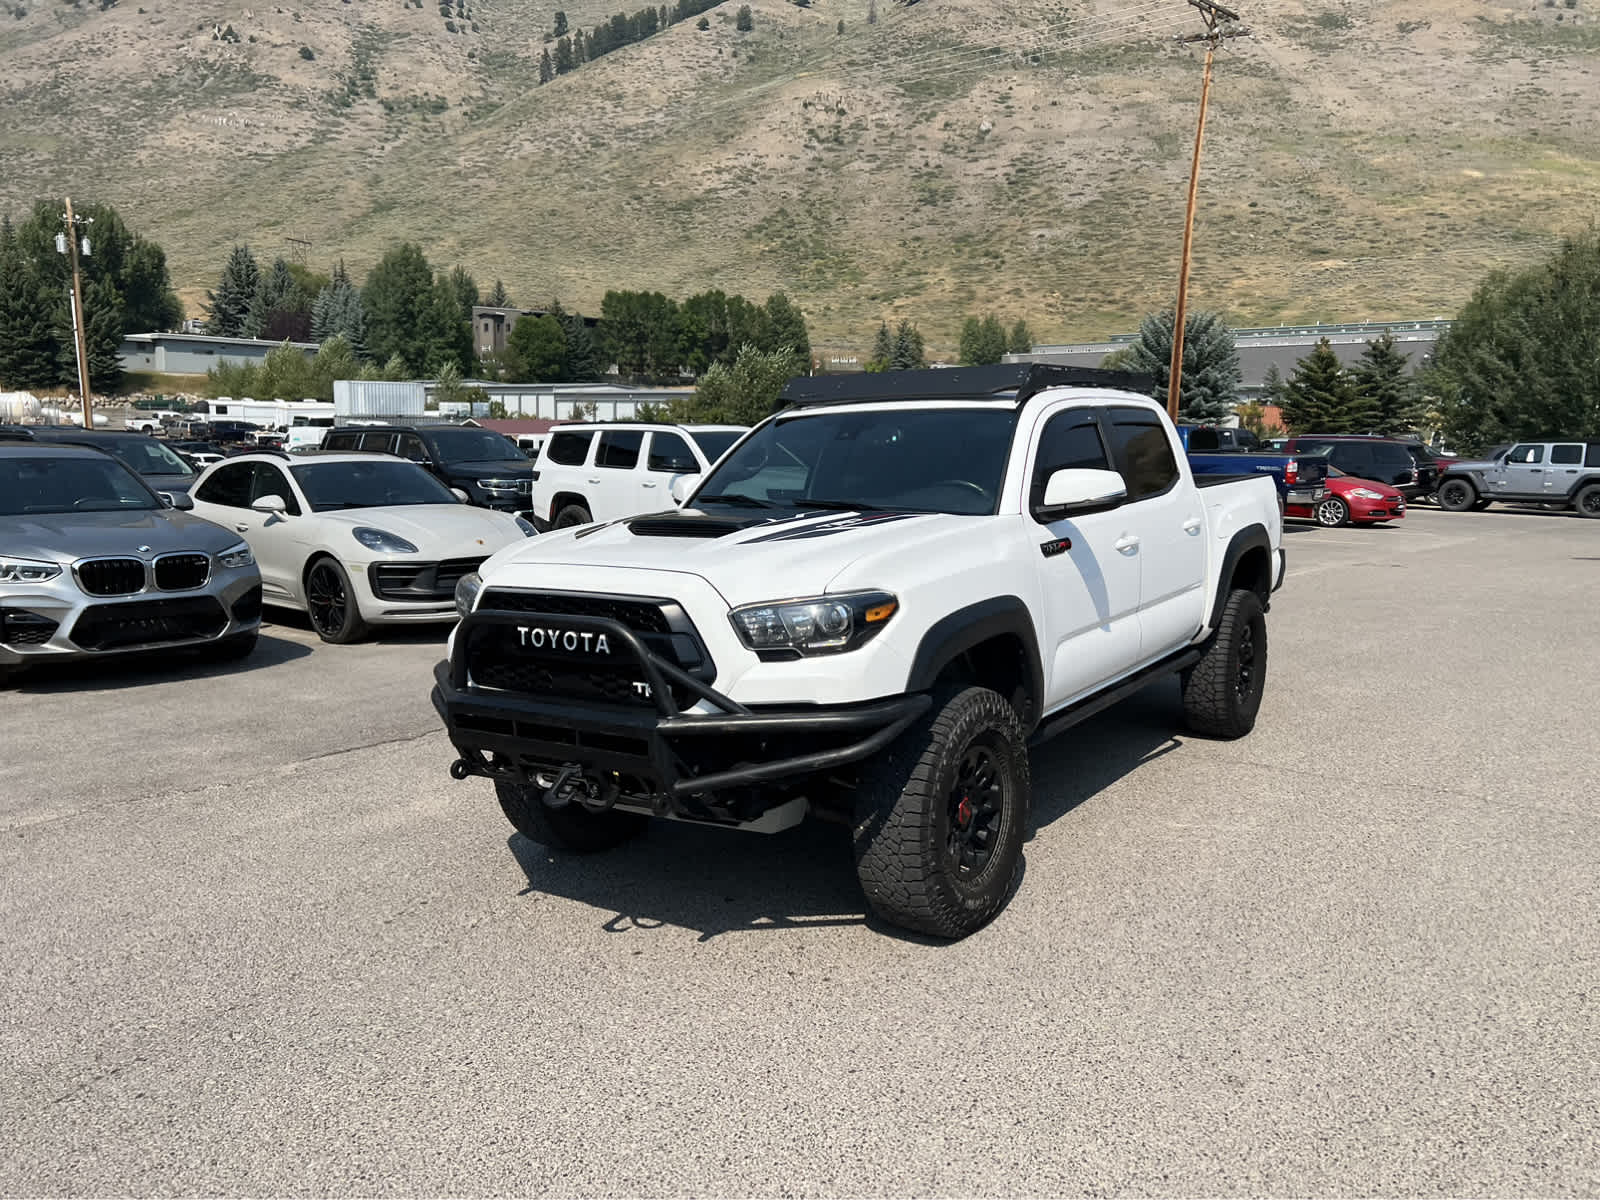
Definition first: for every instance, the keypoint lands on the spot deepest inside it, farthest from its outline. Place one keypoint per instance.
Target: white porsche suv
(353, 539)
(600, 472)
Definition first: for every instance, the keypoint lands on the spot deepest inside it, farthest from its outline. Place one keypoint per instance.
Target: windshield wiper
(735, 498)
(840, 505)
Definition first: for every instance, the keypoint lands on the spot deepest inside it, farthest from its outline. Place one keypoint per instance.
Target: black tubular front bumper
(513, 735)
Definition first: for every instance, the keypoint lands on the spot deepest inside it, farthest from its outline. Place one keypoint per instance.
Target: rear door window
(410, 446)
(228, 485)
(1142, 452)
(619, 449)
(341, 441)
(570, 449)
(1566, 456)
(377, 443)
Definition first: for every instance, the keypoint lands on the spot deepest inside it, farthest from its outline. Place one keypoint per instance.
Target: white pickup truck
(865, 612)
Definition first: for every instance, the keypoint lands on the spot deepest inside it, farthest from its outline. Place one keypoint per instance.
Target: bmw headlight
(27, 570)
(383, 542)
(237, 556)
(527, 527)
(467, 589)
(824, 625)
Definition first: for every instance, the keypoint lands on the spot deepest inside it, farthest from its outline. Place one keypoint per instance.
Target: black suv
(1387, 460)
(486, 466)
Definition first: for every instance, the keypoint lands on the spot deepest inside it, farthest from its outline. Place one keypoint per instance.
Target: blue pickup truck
(1301, 478)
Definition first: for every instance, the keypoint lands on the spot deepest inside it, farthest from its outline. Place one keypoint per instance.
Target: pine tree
(547, 69)
(338, 314)
(1209, 388)
(909, 352)
(872, 12)
(882, 348)
(497, 296)
(1384, 382)
(982, 341)
(560, 27)
(102, 337)
(564, 61)
(1020, 340)
(743, 21)
(27, 342)
(1317, 396)
(279, 309)
(466, 290)
(228, 307)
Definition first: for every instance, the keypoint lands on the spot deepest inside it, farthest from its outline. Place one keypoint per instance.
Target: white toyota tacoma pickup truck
(865, 612)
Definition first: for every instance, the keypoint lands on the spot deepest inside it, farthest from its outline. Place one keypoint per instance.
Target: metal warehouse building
(1280, 346)
(194, 353)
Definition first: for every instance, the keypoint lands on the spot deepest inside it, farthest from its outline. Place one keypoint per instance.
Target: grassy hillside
(1363, 159)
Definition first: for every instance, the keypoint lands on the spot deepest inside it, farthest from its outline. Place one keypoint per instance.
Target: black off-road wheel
(331, 603)
(1222, 692)
(572, 514)
(1457, 495)
(1587, 501)
(941, 816)
(570, 828)
(1332, 511)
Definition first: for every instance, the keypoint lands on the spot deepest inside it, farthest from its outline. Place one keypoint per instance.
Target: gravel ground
(256, 941)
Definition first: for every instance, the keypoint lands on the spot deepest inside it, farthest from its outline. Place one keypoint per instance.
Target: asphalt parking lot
(257, 941)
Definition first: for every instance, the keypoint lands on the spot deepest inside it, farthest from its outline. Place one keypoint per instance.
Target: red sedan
(1352, 501)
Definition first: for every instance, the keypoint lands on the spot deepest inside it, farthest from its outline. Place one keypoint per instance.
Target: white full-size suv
(599, 472)
(865, 611)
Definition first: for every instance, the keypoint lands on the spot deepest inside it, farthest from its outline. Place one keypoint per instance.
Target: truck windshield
(949, 460)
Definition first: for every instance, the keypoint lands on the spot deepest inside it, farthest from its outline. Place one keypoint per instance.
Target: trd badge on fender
(562, 639)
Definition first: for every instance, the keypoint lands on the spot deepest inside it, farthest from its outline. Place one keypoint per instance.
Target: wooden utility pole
(78, 316)
(1219, 25)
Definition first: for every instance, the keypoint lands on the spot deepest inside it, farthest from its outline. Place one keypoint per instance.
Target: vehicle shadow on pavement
(149, 667)
(434, 632)
(1089, 758)
(718, 881)
(711, 881)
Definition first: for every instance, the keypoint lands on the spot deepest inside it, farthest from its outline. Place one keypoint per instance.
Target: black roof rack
(1013, 382)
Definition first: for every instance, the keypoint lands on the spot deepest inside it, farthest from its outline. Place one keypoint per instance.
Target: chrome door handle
(1126, 543)
(1192, 525)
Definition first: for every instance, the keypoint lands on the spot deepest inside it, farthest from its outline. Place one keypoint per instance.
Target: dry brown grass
(1363, 158)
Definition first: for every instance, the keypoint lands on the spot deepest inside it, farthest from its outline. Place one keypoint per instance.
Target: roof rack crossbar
(1012, 382)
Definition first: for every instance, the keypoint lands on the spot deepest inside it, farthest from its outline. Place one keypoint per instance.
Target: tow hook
(567, 786)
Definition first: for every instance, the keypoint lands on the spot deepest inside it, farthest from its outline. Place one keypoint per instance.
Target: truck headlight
(382, 541)
(467, 589)
(823, 625)
(237, 556)
(27, 570)
(498, 485)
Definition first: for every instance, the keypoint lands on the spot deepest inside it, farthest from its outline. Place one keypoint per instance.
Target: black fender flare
(957, 632)
(1253, 537)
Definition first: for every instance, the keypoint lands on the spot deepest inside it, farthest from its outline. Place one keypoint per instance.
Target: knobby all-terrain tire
(941, 816)
(571, 828)
(1222, 692)
(1332, 511)
(1587, 501)
(1457, 495)
(572, 514)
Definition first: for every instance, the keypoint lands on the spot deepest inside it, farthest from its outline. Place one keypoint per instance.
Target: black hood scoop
(693, 523)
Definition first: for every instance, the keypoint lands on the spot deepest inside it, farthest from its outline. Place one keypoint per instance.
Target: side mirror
(181, 501)
(461, 496)
(681, 486)
(1080, 490)
(270, 504)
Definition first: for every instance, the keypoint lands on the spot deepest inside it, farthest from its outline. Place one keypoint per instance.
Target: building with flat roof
(195, 353)
(491, 325)
(1278, 346)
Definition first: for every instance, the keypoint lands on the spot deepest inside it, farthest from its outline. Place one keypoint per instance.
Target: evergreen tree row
(574, 47)
(126, 289)
(1378, 395)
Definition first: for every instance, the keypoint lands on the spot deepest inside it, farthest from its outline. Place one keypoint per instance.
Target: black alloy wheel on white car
(331, 603)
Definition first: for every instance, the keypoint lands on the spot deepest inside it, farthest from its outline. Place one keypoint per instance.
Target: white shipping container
(360, 399)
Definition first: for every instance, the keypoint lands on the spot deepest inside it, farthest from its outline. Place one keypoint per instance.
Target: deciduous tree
(536, 350)
(398, 299)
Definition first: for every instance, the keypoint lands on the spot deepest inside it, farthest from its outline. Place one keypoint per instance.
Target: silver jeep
(1560, 474)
